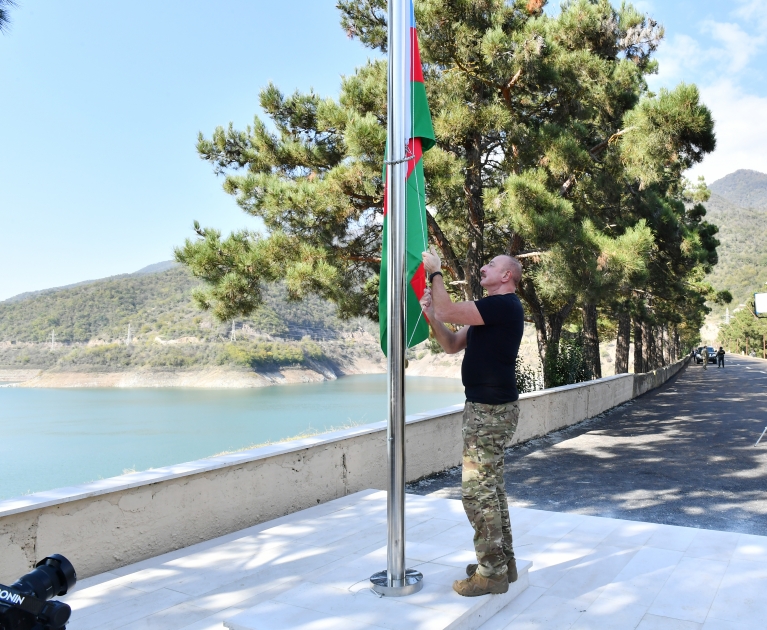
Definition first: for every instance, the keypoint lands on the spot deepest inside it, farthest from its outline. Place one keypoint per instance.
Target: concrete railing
(110, 523)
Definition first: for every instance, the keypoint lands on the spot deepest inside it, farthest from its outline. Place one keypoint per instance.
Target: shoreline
(214, 377)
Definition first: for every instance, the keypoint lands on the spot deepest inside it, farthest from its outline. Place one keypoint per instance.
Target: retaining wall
(110, 523)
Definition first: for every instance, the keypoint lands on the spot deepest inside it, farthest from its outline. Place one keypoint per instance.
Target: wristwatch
(431, 276)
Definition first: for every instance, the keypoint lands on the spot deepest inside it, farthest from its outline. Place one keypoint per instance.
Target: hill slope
(90, 322)
(743, 188)
(738, 206)
(153, 304)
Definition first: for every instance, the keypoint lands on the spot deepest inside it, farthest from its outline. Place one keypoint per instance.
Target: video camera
(24, 604)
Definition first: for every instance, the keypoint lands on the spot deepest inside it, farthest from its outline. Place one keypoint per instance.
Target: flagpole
(396, 580)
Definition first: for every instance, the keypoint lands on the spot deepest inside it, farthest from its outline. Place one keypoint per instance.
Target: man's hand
(427, 306)
(431, 261)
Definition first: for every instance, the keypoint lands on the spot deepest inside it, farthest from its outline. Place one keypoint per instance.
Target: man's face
(494, 272)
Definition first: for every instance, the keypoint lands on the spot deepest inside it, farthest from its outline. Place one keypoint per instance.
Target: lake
(60, 437)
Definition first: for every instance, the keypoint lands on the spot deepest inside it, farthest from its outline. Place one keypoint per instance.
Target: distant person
(704, 354)
(720, 357)
(491, 334)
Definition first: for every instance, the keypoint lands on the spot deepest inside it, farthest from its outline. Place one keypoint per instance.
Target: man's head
(501, 275)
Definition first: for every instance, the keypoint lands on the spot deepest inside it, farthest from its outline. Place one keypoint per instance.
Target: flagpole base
(412, 583)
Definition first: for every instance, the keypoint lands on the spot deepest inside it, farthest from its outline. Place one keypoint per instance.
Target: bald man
(491, 333)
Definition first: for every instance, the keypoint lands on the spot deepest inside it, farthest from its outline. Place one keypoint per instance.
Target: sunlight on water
(58, 437)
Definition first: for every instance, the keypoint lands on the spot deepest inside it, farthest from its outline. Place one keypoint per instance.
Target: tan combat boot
(477, 585)
(471, 569)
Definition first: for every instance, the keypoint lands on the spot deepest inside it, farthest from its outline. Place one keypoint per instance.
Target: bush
(566, 364)
(270, 354)
(528, 379)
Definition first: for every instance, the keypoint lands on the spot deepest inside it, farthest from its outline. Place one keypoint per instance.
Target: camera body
(24, 604)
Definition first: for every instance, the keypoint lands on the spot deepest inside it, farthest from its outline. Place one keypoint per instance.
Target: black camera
(24, 604)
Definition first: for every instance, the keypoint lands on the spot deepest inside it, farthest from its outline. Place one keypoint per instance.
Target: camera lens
(57, 614)
(51, 577)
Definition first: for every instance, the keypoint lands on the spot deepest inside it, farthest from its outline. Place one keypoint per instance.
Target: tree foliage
(549, 147)
(5, 18)
(745, 331)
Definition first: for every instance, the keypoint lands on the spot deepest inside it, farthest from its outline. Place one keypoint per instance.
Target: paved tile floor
(588, 572)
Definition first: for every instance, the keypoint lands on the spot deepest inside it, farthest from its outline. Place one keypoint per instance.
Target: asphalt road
(682, 454)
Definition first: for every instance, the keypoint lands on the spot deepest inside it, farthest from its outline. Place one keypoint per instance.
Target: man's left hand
(427, 306)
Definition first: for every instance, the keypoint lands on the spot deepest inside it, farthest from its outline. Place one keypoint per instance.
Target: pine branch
(595, 150)
(506, 89)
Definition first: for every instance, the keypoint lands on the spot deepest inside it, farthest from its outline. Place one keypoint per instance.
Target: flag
(420, 138)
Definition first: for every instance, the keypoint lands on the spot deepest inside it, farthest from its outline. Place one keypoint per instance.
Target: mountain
(743, 188)
(89, 324)
(154, 268)
(738, 205)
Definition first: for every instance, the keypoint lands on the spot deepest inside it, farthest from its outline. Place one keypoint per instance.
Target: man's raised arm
(445, 309)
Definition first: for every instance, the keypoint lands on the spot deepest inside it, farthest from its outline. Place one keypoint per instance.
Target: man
(704, 354)
(720, 358)
(491, 334)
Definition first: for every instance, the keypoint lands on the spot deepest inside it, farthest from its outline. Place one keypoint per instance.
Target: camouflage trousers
(486, 431)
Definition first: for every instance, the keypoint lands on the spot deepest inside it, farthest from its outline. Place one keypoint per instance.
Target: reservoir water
(60, 437)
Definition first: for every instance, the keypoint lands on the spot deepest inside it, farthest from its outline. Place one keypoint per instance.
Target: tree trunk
(622, 342)
(639, 366)
(475, 214)
(448, 254)
(666, 346)
(648, 348)
(591, 340)
(659, 355)
(677, 342)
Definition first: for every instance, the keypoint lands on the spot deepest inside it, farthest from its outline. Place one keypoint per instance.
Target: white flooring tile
(712, 545)
(690, 590)
(655, 622)
(742, 594)
(310, 570)
(672, 537)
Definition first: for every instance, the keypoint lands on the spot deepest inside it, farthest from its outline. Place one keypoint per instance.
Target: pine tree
(5, 18)
(549, 147)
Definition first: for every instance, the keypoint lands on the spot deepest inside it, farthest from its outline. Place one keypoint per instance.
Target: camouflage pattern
(486, 431)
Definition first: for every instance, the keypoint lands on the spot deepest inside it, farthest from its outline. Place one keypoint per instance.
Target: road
(682, 454)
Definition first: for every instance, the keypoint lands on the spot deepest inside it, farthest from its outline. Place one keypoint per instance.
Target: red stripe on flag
(416, 72)
(413, 148)
(418, 281)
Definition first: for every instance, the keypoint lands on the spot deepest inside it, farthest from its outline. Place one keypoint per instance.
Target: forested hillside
(153, 304)
(88, 324)
(738, 206)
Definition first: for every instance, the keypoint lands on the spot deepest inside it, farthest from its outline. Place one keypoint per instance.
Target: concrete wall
(114, 522)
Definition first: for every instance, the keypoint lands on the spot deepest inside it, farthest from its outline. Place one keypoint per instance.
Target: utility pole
(727, 316)
(234, 337)
(53, 338)
(127, 341)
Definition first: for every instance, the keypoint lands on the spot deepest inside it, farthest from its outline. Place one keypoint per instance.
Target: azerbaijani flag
(420, 138)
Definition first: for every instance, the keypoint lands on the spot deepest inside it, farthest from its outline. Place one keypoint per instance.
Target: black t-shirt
(487, 370)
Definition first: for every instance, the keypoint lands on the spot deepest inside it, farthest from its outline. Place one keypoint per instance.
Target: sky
(101, 104)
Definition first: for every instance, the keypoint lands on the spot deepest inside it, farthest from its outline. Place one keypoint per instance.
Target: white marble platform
(587, 572)
(341, 597)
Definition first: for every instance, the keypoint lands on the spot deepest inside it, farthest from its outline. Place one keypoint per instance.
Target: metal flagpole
(396, 580)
